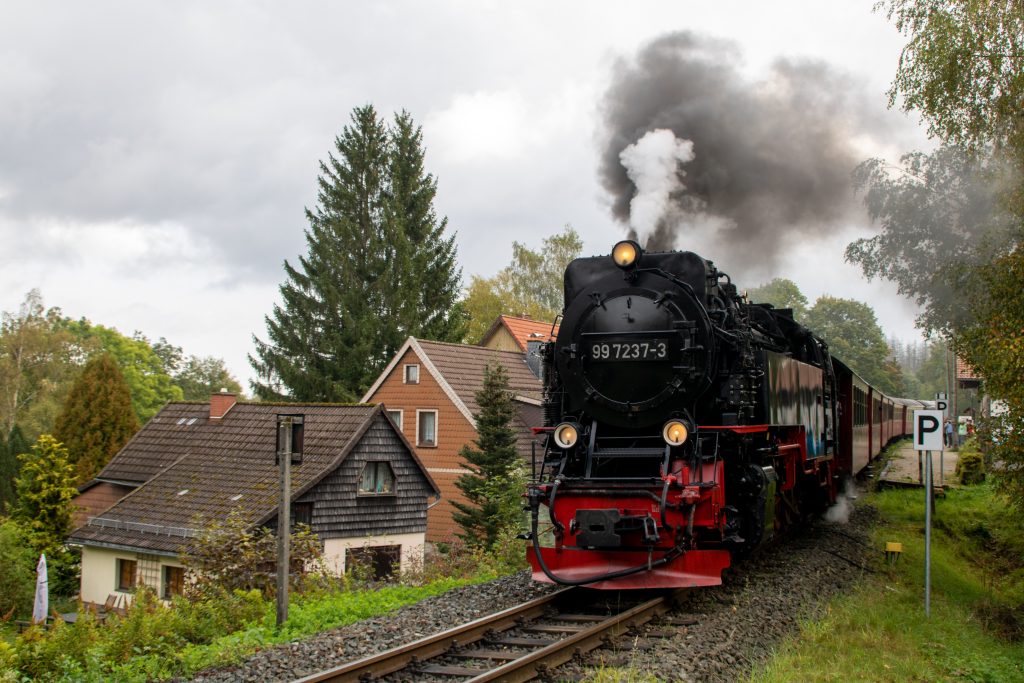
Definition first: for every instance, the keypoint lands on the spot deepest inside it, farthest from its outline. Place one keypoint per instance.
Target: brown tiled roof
(965, 371)
(522, 330)
(220, 466)
(137, 463)
(462, 366)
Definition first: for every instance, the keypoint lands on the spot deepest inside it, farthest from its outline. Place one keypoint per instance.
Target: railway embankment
(878, 631)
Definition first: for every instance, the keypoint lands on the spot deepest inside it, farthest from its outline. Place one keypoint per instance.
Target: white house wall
(99, 573)
(412, 549)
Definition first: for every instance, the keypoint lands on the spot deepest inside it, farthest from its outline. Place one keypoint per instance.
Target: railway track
(517, 644)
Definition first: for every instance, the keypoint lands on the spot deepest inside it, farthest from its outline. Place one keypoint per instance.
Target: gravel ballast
(738, 624)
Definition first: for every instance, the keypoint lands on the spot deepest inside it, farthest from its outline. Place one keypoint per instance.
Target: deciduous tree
(531, 285)
(97, 419)
(143, 369)
(853, 335)
(373, 243)
(940, 219)
(963, 68)
(35, 366)
(492, 483)
(780, 293)
(994, 347)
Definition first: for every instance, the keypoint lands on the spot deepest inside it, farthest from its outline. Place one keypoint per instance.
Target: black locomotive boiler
(684, 425)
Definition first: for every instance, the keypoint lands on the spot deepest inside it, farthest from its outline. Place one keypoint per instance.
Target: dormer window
(412, 374)
(377, 478)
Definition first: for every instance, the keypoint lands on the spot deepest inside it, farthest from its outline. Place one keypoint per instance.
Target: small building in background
(359, 485)
(512, 333)
(429, 390)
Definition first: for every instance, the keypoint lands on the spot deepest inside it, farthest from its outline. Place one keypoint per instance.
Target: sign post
(928, 437)
(940, 404)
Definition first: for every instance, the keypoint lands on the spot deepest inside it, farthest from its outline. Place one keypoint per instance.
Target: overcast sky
(156, 158)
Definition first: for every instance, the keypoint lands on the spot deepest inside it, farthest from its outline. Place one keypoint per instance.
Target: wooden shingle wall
(340, 511)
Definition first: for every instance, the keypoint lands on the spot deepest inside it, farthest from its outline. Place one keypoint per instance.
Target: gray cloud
(772, 158)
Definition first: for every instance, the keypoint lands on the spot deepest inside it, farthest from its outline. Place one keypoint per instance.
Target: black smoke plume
(771, 159)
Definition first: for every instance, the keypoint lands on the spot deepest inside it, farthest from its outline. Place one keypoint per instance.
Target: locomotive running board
(690, 570)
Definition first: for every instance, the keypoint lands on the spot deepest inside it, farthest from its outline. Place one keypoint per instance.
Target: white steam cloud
(653, 165)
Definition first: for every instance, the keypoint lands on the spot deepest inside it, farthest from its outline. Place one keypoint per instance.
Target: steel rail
(524, 668)
(399, 658)
(533, 664)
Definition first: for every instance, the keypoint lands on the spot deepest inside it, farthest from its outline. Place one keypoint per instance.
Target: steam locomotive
(684, 425)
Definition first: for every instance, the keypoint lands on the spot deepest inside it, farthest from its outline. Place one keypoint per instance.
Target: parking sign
(928, 430)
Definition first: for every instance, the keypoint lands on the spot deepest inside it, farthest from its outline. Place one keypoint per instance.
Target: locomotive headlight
(626, 253)
(566, 435)
(675, 432)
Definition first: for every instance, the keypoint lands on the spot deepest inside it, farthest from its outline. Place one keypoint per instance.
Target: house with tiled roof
(512, 333)
(429, 390)
(358, 484)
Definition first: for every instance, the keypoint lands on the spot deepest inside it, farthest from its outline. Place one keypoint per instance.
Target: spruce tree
(378, 269)
(97, 419)
(493, 466)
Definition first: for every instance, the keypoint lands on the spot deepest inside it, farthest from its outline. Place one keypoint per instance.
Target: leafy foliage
(10, 448)
(494, 477)
(230, 555)
(994, 347)
(17, 569)
(780, 293)
(46, 486)
(963, 68)
(97, 419)
(143, 369)
(853, 335)
(196, 376)
(940, 220)
(35, 366)
(378, 269)
(531, 285)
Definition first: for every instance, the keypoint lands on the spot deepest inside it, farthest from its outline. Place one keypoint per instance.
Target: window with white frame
(426, 428)
(412, 374)
(396, 417)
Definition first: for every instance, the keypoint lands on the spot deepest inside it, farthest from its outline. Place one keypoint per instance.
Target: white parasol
(42, 605)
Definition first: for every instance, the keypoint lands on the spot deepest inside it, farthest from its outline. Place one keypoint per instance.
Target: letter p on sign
(928, 430)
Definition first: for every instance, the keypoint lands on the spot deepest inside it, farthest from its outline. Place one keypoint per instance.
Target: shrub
(970, 466)
(229, 555)
(17, 569)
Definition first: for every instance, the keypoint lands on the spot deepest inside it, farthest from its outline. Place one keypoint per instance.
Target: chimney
(220, 404)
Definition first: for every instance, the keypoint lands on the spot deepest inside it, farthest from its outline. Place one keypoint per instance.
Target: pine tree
(97, 419)
(46, 486)
(378, 269)
(493, 467)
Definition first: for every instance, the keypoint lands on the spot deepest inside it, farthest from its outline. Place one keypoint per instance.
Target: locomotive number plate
(648, 349)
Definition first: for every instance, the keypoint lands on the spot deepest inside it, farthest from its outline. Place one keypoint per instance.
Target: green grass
(86, 651)
(880, 632)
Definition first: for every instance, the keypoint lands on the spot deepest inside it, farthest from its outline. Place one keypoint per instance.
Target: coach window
(412, 374)
(426, 428)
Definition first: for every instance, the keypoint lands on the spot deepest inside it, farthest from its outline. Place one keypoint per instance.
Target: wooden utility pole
(289, 446)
